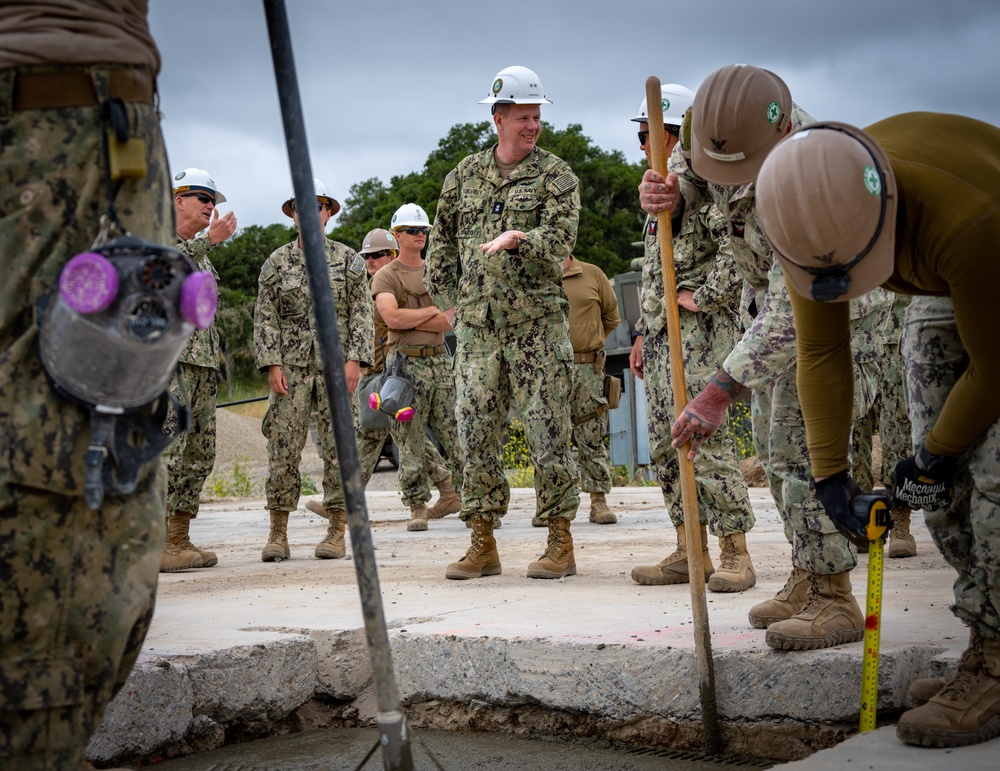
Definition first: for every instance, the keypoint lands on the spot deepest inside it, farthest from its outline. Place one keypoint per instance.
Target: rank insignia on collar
(498, 207)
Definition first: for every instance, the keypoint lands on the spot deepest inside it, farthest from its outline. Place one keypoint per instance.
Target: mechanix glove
(923, 481)
(835, 493)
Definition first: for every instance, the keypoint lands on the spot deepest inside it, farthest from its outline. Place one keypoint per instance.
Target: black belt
(421, 351)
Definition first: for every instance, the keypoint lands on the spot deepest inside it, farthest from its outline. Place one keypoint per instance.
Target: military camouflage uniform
(510, 322)
(934, 359)
(430, 368)
(703, 263)
(764, 361)
(371, 440)
(593, 316)
(191, 457)
(78, 585)
(285, 334)
(888, 415)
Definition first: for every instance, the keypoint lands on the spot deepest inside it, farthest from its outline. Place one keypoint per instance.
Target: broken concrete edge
(773, 705)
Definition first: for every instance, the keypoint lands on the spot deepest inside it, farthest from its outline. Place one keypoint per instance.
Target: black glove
(923, 481)
(835, 493)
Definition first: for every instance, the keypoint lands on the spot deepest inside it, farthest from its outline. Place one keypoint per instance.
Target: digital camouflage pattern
(934, 359)
(191, 457)
(593, 315)
(285, 334)
(94, 570)
(764, 361)
(888, 416)
(704, 264)
(434, 400)
(510, 322)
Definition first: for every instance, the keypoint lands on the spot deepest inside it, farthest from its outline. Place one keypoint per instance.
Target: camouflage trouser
(192, 455)
(286, 426)
(723, 500)
(591, 452)
(530, 364)
(434, 402)
(887, 417)
(78, 585)
(968, 531)
(779, 435)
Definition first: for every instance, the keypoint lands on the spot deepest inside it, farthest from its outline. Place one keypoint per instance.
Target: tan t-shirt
(76, 32)
(407, 286)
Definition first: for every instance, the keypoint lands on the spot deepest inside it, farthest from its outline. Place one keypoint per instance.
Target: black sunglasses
(202, 198)
(674, 131)
(416, 231)
(319, 206)
(378, 255)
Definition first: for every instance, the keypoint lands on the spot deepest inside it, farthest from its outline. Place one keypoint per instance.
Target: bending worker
(905, 205)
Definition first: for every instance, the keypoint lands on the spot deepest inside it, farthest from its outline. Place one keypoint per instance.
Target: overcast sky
(383, 81)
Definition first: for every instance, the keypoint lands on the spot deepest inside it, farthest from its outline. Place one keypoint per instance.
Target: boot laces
(729, 560)
(814, 600)
(789, 587)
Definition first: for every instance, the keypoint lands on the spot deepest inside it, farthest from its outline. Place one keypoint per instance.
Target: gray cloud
(382, 82)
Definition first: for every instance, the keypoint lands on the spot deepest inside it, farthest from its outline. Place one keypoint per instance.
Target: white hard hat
(674, 100)
(516, 85)
(194, 180)
(409, 215)
(322, 195)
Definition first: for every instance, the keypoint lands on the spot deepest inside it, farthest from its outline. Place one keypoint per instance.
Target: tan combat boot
(922, 689)
(600, 512)
(448, 502)
(735, 573)
(673, 569)
(901, 541)
(332, 547)
(316, 507)
(967, 709)
(276, 548)
(418, 518)
(831, 616)
(785, 604)
(482, 558)
(557, 559)
(178, 549)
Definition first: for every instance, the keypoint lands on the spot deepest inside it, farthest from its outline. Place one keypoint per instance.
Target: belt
(585, 358)
(75, 88)
(366, 371)
(421, 351)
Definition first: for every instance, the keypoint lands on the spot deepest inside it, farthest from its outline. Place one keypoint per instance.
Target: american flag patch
(564, 182)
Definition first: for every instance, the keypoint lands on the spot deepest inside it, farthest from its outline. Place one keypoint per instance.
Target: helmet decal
(497, 85)
(873, 182)
(665, 104)
(773, 112)
(180, 175)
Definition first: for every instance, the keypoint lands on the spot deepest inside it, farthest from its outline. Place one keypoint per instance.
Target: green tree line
(610, 221)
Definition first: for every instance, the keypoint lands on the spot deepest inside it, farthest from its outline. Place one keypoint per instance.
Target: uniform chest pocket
(294, 298)
(523, 211)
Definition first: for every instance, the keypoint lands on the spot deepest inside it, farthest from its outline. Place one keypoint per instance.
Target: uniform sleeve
(266, 321)
(609, 305)
(767, 349)
(555, 236)
(723, 283)
(441, 264)
(196, 248)
(361, 324)
(825, 379)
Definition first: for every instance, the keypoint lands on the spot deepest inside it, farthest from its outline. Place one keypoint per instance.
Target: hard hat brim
(219, 197)
(334, 204)
(727, 173)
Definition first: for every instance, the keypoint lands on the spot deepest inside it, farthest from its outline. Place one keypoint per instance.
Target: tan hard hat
(378, 240)
(826, 198)
(740, 112)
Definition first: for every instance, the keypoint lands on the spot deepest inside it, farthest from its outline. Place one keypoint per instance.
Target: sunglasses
(378, 255)
(202, 198)
(416, 231)
(674, 131)
(319, 206)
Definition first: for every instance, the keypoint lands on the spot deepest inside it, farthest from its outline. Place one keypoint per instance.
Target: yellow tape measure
(878, 523)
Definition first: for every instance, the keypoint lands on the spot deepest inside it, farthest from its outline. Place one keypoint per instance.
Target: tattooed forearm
(729, 386)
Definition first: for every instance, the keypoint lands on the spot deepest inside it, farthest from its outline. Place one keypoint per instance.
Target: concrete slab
(592, 644)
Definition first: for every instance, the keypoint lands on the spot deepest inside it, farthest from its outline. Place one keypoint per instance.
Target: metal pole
(394, 741)
(689, 491)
